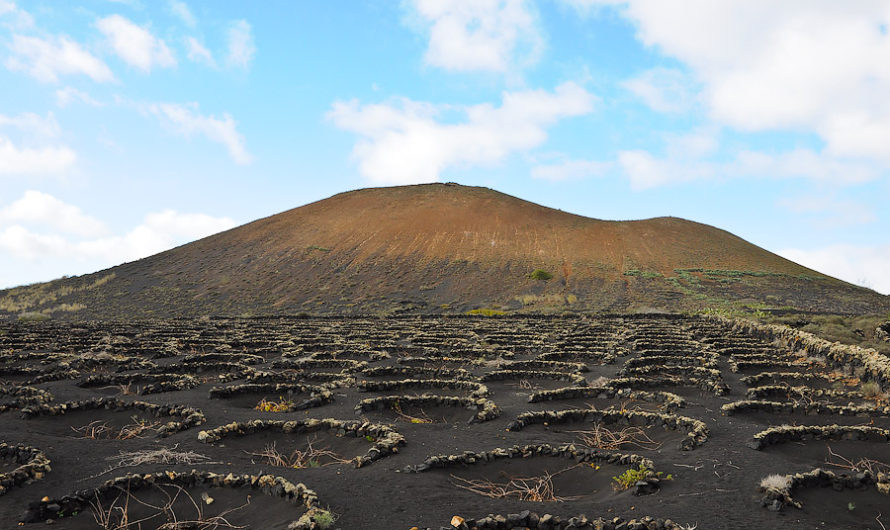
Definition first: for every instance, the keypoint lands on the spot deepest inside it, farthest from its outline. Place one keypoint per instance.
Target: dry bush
(99, 430)
(282, 405)
(122, 389)
(526, 384)
(423, 418)
(300, 459)
(535, 489)
(600, 382)
(117, 515)
(94, 430)
(153, 456)
(601, 437)
(857, 466)
(872, 390)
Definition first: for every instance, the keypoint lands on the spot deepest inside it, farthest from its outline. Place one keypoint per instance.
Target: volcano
(445, 248)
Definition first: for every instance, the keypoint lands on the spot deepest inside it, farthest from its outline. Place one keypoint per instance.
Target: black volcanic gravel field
(408, 422)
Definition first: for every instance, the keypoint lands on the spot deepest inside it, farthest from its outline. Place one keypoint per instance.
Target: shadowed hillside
(445, 248)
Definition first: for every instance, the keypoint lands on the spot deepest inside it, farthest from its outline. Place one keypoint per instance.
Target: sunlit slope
(445, 248)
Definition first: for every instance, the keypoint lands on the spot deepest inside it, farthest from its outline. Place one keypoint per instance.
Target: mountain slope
(444, 248)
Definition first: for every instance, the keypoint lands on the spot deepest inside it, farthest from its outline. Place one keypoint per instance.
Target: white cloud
(571, 169)
(135, 44)
(79, 238)
(185, 120)
(662, 89)
(23, 244)
(158, 232)
(403, 142)
(182, 11)
(198, 53)
(479, 35)
(68, 95)
(34, 161)
(241, 45)
(862, 265)
(813, 65)
(47, 59)
(43, 209)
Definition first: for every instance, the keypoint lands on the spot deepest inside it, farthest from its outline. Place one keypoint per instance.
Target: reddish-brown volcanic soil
(715, 480)
(441, 248)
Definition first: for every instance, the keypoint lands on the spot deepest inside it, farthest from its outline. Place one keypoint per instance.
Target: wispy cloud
(198, 53)
(698, 155)
(37, 158)
(47, 59)
(68, 95)
(135, 44)
(14, 17)
(181, 10)
(33, 125)
(662, 89)
(241, 47)
(829, 210)
(185, 120)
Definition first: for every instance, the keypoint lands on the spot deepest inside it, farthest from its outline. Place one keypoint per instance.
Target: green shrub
(630, 477)
(324, 519)
(540, 274)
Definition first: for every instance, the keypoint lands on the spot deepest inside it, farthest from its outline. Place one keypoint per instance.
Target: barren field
(623, 422)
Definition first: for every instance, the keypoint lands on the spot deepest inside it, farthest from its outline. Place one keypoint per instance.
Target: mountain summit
(445, 248)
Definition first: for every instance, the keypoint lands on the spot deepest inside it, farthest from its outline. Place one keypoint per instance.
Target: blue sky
(129, 127)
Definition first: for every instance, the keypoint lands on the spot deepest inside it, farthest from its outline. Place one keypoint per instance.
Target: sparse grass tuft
(642, 274)
(872, 390)
(33, 316)
(775, 482)
(486, 312)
